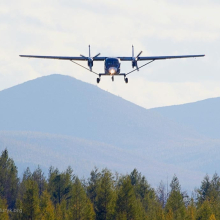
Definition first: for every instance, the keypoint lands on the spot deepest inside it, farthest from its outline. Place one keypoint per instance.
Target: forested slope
(104, 195)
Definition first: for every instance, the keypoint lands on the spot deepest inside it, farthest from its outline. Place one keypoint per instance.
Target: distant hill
(60, 121)
(202, 116)
(63, 105)
(30, 149)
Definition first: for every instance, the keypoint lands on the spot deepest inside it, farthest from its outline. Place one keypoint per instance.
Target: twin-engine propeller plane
(112, 65)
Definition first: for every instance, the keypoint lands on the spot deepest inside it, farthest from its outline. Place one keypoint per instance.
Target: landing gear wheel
(98, 80)
(112, 78)
(126, 80)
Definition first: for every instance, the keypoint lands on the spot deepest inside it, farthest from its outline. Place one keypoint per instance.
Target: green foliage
(46, 207)
(103, 196)
(205, 211)
(8, 179)
(3, 209)
(175, 202)
(127, 205)
(191, 210)
(106, 197)
(93, 186)
(80, 206)
(210, 192)
(59, 185)
(145, 194)
(204, 190)
(40, 179)
(30, 201)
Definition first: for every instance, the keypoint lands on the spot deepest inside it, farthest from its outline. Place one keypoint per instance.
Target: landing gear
(98, 80)
(112, 78)
(126, 80)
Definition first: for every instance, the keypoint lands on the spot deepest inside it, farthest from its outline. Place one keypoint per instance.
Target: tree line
(103, 196)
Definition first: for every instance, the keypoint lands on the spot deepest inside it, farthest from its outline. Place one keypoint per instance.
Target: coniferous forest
(104, 195)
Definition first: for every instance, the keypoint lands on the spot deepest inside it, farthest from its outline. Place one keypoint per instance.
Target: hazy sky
(158, 27)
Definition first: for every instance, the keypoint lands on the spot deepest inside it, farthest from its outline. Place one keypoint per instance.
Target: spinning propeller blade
(139, 54)
(83, 56)
(96, 55)
(90, 59)
(135, 59)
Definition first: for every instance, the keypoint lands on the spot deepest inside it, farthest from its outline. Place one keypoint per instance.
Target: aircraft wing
(103, 58)
(160, 57)
(63, 58)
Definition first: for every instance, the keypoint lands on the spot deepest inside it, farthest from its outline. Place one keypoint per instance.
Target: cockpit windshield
(112, 62)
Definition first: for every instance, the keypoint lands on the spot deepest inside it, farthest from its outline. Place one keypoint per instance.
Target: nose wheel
(112, 78)
(126, 80)
(98, 80)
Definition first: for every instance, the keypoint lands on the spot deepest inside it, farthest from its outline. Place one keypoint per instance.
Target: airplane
(112, 65)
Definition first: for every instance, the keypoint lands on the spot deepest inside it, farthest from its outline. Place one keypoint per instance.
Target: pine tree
(203, 192)
(59, 185)
(191, 210)
(145, 194)
(210, 192)
(93, 187)
(175, 201)
(126, 204)
(162, 194)
(205, 211)
(160, 215)
(40, 179)
(3, 209)
(19, 214)
(8, 179)
(80, 206)
(58, 212)
(46, 207)
(22, 187)
(106, 197)
(214, 195)
(30, 201)
(169, 215)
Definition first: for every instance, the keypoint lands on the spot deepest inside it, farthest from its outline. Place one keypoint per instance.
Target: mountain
(60, 121)
(63, 105)
(202, 116)
(30, 149)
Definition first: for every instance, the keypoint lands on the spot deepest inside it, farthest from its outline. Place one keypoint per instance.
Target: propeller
(135, 59)
(90, 59)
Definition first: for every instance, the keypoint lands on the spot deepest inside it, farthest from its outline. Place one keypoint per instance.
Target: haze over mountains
(63, 105)
(202, 116)
(60, 121)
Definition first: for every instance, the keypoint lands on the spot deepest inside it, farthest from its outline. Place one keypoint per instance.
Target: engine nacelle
(90, 63)
(134, 63)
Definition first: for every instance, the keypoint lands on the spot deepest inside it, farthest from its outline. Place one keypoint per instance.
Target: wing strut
(84, 67)
(139, 67)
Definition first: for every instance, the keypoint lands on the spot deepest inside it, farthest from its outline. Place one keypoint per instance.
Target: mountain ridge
(54, 115)
(63, 105)
(202, 116)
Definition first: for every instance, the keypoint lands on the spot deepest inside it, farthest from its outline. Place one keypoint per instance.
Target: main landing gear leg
(126, 80)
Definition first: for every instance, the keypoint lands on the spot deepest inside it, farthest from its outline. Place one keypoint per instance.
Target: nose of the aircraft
(112, 70)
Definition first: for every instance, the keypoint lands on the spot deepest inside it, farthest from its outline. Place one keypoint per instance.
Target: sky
(156, 27)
